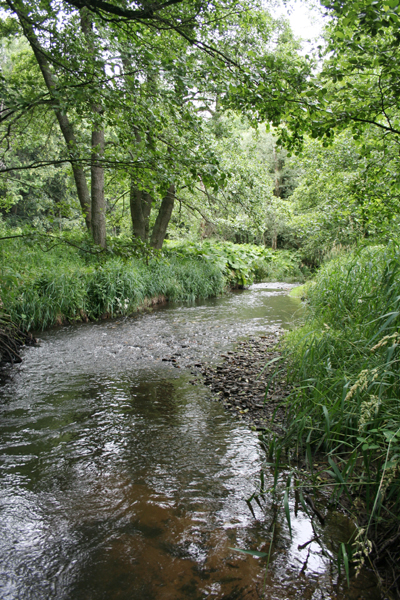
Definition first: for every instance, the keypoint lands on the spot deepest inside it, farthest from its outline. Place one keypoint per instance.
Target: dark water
(121, 480)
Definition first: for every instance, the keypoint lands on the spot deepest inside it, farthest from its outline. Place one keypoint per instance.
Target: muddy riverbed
(122, 477)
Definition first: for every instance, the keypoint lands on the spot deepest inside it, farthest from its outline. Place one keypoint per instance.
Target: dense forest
(165, 150)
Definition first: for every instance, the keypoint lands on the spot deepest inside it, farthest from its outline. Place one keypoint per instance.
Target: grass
(39, 289)
(344, 363)
(48, 279)
(298, 292)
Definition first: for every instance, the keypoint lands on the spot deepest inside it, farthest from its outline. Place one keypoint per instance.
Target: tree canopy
(142, 117)
(132, 91)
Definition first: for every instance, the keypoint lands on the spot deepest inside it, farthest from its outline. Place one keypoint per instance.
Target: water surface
(122, 480)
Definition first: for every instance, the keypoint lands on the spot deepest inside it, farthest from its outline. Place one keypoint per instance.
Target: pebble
(241, 381)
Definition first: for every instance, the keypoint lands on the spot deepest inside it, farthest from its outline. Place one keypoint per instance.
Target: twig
(315, 510)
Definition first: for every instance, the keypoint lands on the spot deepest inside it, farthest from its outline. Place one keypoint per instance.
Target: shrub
(242, 264)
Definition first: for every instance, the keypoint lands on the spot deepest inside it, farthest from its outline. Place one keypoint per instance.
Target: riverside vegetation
(342, 411)
(47, 280)
(343, 417)
(110, 126)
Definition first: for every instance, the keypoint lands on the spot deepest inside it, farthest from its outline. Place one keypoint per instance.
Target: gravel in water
(245, 382)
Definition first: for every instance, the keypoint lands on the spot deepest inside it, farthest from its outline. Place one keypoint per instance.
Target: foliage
(252, 206)
(146, 86)
(339, 198)
(365, 37)
(48, 288)
(345, 366)
(242, 264)
(349, 102)
(356, 84)
(342, 196)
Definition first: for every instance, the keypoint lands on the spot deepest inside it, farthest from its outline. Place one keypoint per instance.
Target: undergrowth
(47, 279)
(344, 363)
(39, 288)
(243, 264)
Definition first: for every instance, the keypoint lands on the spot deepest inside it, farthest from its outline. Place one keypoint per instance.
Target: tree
(356, 87)
(46, 194)
(130, 94)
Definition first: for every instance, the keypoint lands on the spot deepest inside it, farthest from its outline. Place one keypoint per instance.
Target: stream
(120, 480)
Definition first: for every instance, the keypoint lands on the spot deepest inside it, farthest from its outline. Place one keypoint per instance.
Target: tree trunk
(138, 224)
(63, 121)
(96, 171)
(163, 218)
(277, 193)
(147, 202)
(277, 178)
(140, 204)
(97, 190)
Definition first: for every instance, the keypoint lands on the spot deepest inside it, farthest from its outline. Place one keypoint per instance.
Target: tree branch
(131, 15)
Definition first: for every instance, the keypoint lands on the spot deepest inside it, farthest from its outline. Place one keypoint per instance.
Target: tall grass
(344, 363)
(40, 289)
(45, 279)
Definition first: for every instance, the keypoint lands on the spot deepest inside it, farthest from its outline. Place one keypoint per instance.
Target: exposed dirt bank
(11, 341)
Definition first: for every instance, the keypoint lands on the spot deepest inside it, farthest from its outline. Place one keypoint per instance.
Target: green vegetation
(176, 150)
(60, 285)
(114, 121)
(344, 363)
(45, 280)
(243, 264)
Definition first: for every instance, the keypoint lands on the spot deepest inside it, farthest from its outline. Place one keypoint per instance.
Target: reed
(344, 364)
(42, 289)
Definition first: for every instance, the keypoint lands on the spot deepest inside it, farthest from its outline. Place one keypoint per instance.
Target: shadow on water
(120, 480)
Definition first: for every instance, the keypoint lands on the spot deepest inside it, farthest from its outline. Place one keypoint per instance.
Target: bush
(243, 264)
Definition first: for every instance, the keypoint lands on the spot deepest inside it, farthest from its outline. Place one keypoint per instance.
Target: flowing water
(120, 480)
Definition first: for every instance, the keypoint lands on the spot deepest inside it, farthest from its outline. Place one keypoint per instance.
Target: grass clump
(47, 279)
(344, 363)
(40, 289)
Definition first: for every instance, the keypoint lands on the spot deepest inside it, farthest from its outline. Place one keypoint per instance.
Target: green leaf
(287, 510)
(345, 563)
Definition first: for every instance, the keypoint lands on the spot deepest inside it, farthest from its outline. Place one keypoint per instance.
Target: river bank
(12, 339)
(46, 282)
(242, 383)
(250, 385)
(345, 362)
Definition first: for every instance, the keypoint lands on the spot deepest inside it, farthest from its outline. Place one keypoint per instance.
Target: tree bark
(140, 204)
(277, 194)
(163, 218)
(97, 151)
(277, 178)
(138, 224)
(63, 121)
(97, 190)
(147, 202)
